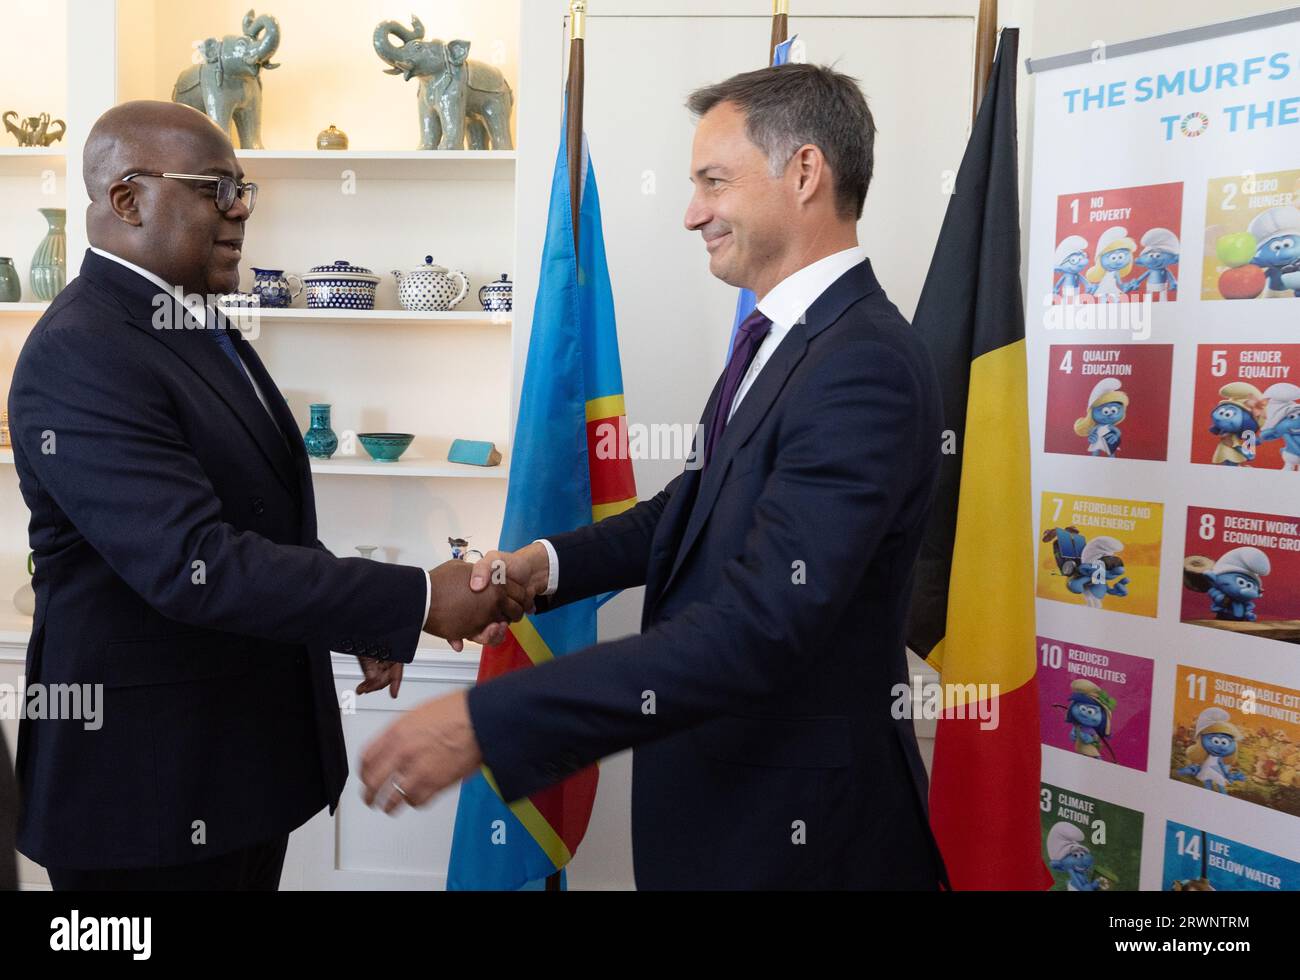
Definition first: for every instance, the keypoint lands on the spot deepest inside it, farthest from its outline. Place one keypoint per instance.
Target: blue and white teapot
(431, 288)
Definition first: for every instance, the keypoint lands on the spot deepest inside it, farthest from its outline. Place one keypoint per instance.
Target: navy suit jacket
(178, 565)
(758, 694)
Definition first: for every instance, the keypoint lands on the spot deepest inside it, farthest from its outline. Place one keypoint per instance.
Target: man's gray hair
(791, 105)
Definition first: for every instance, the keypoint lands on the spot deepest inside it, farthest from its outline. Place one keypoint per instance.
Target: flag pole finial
(577, 19)
(780, 7)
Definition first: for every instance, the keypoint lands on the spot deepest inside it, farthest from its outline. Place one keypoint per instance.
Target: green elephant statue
(458, 99)
(227, 84)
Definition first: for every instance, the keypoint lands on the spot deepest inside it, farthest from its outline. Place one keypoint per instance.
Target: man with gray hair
(758, 694)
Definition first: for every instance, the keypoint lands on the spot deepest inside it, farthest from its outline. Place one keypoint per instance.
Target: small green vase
(11, 286)
(50, 263)
(320, 439)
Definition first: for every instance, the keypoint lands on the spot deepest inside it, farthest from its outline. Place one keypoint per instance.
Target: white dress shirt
(785, 306)
(200, 313)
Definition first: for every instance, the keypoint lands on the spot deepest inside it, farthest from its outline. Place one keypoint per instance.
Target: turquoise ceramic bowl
(385, 447)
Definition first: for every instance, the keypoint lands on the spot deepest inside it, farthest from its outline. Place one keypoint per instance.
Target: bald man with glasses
(179, 575)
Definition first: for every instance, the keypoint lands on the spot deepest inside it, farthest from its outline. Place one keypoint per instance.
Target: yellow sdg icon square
(1100, 552)
(1244, 213)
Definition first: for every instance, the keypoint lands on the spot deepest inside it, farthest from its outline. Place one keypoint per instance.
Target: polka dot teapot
(431, 288)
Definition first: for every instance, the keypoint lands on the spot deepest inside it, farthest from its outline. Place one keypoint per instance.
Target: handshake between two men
(433, 745)
(471, 601)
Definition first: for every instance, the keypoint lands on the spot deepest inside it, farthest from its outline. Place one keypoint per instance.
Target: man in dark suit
(758, 694)
(178, 568)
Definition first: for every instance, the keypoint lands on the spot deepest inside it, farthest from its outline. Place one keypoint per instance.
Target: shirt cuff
(428, 598)
(553, 575)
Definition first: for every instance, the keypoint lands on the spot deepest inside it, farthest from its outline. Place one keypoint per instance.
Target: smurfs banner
(1163, 303)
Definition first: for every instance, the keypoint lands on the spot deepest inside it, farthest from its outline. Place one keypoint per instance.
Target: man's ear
(810, 168)
(124, 203)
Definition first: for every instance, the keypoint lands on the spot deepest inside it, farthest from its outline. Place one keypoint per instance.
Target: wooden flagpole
(986, 43)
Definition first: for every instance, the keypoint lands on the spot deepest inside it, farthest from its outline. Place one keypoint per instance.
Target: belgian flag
(973, 610)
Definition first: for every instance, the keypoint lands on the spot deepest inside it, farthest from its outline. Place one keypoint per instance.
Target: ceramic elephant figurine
(458, 98)
(227, 84)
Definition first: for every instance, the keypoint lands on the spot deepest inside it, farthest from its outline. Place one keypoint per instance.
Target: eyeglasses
(227, 188)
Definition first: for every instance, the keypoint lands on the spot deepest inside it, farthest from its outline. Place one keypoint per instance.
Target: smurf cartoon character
(1114, 261)
(1282, 421)
(1107, 407)
(1278, 232)
(1100, 572)
(1088, 714)
(1070, 260)
(1234, 421)
(1160, 250)
(1234, 583)
(1213, 753)
(1067, 852)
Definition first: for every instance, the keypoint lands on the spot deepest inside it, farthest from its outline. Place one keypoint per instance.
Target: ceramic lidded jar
(431, 288)
(340, 286)
(498, 297)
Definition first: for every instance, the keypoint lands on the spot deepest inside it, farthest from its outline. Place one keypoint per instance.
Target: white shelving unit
(407, 466)
(31, 161)
(308, 317)
(380, 204)
(380, 164)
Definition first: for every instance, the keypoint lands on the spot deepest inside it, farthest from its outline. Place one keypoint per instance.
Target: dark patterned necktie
(748, 338)
(228, 348)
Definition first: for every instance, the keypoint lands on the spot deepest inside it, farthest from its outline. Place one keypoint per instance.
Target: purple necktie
(748, 337)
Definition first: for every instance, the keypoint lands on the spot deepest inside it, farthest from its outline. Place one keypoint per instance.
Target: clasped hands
(432, 746)
(476, 602)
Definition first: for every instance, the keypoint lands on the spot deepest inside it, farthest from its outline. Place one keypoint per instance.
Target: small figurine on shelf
(35, 130)
(458, 99)
(460, 549)
(227, 84)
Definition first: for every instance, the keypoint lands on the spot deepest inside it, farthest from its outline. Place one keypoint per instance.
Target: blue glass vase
(320, 439)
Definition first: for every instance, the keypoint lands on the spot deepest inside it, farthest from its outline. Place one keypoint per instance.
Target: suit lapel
(200, 351)
(144, 302)
(753, 408)
(288, 426)
(855, 284)
(668, 532)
